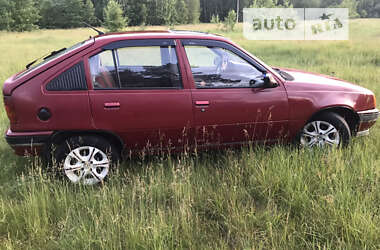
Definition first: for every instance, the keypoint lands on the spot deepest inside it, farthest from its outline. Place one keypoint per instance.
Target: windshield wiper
(54, 53)
(44, 57)
(284, 74)
(30, 64)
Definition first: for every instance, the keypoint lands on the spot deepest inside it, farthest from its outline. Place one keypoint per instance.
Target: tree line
(26, 15)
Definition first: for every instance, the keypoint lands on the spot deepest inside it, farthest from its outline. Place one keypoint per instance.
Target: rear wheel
(327, 129)
(86, 159)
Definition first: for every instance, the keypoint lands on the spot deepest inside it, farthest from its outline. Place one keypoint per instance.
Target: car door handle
(202, 103)
(111, 105)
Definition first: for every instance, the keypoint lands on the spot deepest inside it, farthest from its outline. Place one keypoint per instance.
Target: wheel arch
(348, 114)
(60, 136)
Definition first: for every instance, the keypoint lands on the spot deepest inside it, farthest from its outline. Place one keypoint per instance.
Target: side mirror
(266, 81)
(269, 81)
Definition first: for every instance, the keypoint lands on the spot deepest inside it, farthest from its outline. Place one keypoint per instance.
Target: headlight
(374, 101)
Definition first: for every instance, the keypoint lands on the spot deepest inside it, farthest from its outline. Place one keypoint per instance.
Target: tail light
(9, 108)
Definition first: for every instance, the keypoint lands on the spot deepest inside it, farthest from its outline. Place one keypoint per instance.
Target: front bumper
(27, 143)
(367, 119)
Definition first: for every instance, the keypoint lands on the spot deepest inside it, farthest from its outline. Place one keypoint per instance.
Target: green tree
(182, 11)
(64, 13)
(230, 21)
(307, 3)
(369, 8)
(169, 13)
(6, 20)
(284, 3)
(143, 14)
(113, 17)
(194, 11)
(262, 4)
(352, 6)
(272, 3)
(328, 3)
(24, 15)
(132, 10)
(162, 12)
(153, 7)
(99, 6)
(47, 17)
(215, 19)
(88, 12)
(72, 13)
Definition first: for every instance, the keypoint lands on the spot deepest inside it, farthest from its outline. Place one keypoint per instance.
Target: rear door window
(103, 71)
(136, 67)
(148, 67)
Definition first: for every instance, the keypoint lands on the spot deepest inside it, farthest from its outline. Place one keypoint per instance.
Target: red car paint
(173, 118)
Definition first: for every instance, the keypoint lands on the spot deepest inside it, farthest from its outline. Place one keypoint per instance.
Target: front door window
(215, 67)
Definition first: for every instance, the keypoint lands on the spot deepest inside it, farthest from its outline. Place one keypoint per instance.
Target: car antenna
(92, 27)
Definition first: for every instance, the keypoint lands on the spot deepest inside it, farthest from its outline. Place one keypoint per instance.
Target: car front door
(137, 93)
(228, 108)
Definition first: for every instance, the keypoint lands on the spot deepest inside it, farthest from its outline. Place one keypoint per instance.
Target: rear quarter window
(72, 79)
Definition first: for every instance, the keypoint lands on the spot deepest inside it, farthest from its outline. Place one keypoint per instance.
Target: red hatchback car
(170, 90)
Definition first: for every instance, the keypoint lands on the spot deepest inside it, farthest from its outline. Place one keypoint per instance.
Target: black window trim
(145, 88)
(115, 57)
(223, 87)
(140, 43)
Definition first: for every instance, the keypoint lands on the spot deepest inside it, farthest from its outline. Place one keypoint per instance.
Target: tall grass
(254, 198)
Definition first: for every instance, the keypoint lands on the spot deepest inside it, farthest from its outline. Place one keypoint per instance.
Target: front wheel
(86, 159)
(327, 129)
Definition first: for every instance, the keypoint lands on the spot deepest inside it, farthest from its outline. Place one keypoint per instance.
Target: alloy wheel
(87, 165)
(320, 134)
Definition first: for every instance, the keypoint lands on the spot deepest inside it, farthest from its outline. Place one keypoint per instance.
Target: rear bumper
(367, 119)
(27, 143)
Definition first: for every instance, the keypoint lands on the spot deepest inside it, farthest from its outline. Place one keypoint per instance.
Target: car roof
(157, 34)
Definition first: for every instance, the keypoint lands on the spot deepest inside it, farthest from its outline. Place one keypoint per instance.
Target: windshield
(53, 55)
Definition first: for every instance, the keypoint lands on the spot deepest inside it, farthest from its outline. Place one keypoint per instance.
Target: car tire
(326, 129)
(86, 159)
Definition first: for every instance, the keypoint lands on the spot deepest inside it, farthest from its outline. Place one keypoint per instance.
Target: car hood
(311, 81)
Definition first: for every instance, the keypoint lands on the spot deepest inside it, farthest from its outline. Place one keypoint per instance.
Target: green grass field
(277, 198)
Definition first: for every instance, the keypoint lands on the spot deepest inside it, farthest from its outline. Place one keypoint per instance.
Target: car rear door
(227, 109)
(138, 93)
